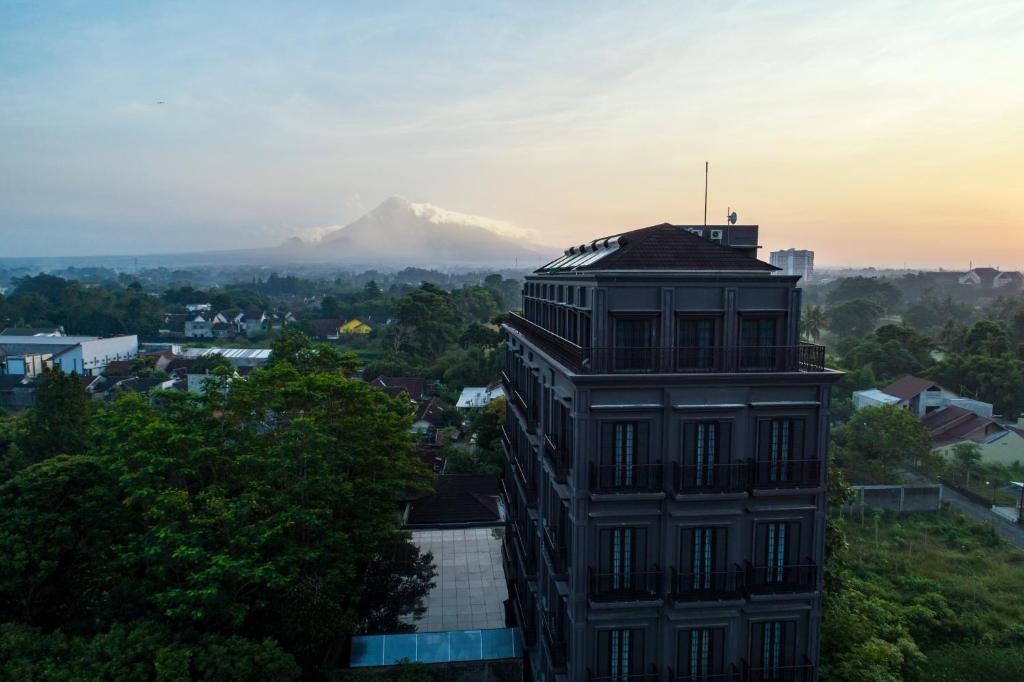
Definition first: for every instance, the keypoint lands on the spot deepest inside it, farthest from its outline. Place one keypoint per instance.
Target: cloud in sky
(889, 121)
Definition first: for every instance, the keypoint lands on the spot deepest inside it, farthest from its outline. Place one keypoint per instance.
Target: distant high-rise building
(794, 262)
(665, 444)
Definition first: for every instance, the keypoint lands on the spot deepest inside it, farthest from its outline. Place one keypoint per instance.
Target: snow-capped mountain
(401, 232)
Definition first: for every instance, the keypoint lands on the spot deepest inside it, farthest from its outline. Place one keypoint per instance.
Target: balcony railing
(526, 481)
(633, 585)
(803, 672)
(709, 585)
(621, 478)
(554, 544)
(560, 459)
(732, 675)
(650, 676)
(726, 477)
(782, 578)
(660, 359)
(525, 618)
(556, 643)
(786, 473)
(506, 440)
(526, 550)
(506, 381)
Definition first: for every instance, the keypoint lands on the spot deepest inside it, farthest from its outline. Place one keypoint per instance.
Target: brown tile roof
(394, 386)
(431, 412)
(670, 247)
(457, 500)
(909, 387)
(954, 424)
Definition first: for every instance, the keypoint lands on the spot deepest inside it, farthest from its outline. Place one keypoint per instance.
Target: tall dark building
(666, 454)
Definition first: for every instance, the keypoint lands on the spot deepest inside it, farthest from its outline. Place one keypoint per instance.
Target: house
(327, 329)
(478, 397)
(872, 397)
(252, 321)
(395, 386)
(1009, 281)
(953, 424)
(428, 419)
(17, 391)
(920, 396)
(457, 500)
(174, 324)
(199, 327)
(980, 277)
(81, 354)
(356, 326)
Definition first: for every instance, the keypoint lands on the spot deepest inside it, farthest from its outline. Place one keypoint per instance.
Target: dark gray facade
(666, 458)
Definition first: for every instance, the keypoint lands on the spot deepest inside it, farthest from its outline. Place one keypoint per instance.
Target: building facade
(798, 262)
(666, 457)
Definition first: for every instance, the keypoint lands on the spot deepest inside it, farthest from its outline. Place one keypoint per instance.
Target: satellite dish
(732, 218)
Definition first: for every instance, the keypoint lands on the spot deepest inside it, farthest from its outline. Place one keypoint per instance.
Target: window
(621, 654)
(772, 649)
(780, 449)
(623, 557)
(634, 343)
(779, 542)
(623, 455)
(702, 559)
(696, 338)
(700, 654)
(758, 349)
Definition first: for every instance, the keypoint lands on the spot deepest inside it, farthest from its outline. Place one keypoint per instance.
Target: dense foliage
(227, 537)
(924, 597)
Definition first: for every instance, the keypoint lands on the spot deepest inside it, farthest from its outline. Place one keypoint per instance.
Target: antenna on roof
(705, 194)
(730, 217)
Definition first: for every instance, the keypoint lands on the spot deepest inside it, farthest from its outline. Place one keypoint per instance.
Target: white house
(81, 354)
(872, 397)
(478, 397)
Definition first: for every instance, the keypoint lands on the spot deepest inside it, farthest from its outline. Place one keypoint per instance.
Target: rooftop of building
(664, 247)
(469, 591)
(908, 387)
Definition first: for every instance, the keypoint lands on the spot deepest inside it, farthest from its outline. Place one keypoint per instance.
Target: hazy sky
(873, 132)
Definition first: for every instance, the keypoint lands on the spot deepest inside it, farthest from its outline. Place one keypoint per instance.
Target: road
(1012, 532)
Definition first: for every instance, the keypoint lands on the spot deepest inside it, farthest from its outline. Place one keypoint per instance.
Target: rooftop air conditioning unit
(716, 236)
(696, 230)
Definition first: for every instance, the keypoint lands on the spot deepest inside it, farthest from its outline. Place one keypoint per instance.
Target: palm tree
(812, 322)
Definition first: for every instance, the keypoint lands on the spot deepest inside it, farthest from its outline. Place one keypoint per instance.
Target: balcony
(790, 473)
(731, 477)
(671, 360)
(506, 441)
(650, 676)
(636, 585)
(708, 586)
(555, 642)
(804, 672)
(560, 459)
(732, 675)
(782, 579)
(526, 482)
(526, 551)
(556, 550)
(525, 618)
(626, 479)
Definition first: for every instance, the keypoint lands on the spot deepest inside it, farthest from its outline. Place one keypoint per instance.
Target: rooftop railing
(803, 672)
(732, 675)
(803, 357)
(650, 676)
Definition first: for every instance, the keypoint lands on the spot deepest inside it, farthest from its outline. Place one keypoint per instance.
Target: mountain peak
(399, 231)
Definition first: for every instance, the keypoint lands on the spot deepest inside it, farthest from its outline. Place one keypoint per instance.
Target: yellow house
(355, 326)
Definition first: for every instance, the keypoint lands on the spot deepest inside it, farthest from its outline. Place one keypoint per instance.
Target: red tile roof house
(920, 396)
(394, 386)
